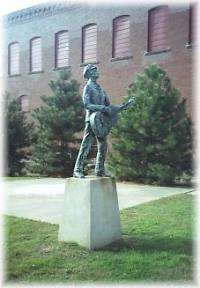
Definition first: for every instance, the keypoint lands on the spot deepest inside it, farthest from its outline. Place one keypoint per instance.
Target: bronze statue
(99, 119)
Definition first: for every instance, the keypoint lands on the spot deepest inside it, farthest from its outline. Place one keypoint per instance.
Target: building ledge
(149, 53)
(121, 58)
(188, 45)
(36, 72)
(86, 63)
(14, 75)
(62, 68)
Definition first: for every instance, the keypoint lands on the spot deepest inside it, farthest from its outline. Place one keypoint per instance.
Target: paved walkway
(41, 199)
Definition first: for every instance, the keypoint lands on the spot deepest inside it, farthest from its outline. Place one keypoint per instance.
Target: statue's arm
(107, 100)
(87, 103)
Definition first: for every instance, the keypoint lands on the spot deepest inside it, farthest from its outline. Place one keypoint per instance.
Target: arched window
(24, 102)
(121, 36)
(158, 22)
(36, 54)
(13, 58)
(89, 43)
(61, 49)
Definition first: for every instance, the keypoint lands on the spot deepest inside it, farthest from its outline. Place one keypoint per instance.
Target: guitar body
(102, 123)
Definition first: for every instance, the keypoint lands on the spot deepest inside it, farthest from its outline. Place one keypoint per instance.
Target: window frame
(190, 32)
(150, 51)
(190, 41)
(83, 44)
(113, 38)
(56, 50)
(9, 59)
(30, 55)
(20, 101)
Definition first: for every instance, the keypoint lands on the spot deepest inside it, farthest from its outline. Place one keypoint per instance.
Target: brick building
(121, 40)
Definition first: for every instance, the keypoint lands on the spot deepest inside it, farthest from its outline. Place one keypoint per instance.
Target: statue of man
(94, 99)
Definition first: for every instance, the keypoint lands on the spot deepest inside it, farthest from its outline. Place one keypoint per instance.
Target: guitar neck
(124, 106)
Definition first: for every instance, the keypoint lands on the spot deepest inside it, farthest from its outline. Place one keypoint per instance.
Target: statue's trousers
(86, 145)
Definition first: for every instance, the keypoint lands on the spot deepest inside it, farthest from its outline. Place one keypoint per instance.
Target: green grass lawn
(156, 246)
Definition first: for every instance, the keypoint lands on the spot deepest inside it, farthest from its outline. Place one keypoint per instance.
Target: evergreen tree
(57, 122)
(152, 141)
(18, 135)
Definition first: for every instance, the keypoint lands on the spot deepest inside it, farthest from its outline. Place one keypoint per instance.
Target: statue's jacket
(94, 99)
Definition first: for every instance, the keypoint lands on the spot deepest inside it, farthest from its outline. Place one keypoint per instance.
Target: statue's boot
(102, 174)
(78, 174)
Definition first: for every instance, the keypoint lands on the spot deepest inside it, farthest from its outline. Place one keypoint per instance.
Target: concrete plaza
(41, 199)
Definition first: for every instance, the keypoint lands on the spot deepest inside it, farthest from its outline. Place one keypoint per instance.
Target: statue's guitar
(102, 123)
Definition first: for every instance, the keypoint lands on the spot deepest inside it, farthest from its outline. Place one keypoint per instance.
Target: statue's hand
(131, 101)
(128, 104)
(107, 110)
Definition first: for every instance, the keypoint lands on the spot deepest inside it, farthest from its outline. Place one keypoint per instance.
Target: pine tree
(18, 136)
(57, 122)
(152, 141)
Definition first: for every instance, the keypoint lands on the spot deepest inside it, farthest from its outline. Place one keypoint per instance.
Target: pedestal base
(90, 213)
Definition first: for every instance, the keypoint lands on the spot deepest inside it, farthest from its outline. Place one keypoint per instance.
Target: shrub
(18, 136)
(57, 122)
(152, 141)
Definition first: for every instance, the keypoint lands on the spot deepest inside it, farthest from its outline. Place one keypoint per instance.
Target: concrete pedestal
(90, 213)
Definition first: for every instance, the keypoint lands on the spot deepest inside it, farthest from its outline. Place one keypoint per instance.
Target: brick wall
(115, 75)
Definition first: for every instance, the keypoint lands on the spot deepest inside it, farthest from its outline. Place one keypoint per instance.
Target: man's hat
(87, 70)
